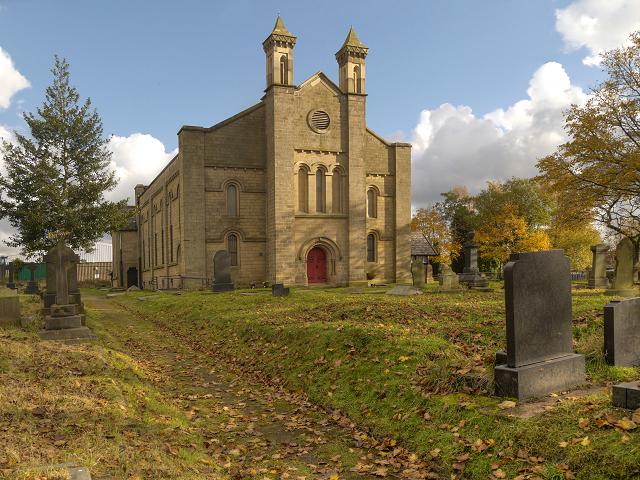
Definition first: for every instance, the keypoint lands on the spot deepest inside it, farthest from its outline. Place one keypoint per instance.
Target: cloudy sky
(478, 87)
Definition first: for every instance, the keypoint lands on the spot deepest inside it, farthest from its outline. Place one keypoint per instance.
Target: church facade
(296, 189)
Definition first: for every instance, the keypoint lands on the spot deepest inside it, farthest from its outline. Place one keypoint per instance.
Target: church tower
(351, 62)
(279, 50)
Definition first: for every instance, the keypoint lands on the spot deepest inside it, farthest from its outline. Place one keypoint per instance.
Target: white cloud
(11, 80)
(137, 158)
(453, 147)
(597, 25)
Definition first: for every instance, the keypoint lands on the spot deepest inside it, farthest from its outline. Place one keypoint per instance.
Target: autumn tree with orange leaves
(434, 226)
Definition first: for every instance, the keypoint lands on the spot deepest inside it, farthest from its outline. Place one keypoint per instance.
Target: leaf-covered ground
(416, 371)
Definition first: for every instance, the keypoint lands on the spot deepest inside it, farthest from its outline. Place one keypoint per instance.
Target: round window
(319, 121)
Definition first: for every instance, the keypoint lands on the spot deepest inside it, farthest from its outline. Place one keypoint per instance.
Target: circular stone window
(319, 121)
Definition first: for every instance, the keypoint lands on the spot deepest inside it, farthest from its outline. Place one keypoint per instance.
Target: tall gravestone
(51, 260)
(622, 284)
(598, 273)
(470, 275)
(417, 273)
(539, 358)
(11, 282)
(32, 284)
(65, 320)
(622, 333)
(222, 272)
(429, 273)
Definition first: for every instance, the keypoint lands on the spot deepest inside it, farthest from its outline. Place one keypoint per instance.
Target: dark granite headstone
(32, 285)
(417, 273)
(539, 327)
(470, 275)
(222, 272)
(622, 333)
(622, 284)
(279, 290)
(626, 395)
(598, 272)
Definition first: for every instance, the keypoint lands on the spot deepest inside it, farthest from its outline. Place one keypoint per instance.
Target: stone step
(70, 335)
(57, 323)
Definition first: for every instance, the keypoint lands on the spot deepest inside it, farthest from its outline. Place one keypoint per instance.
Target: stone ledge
(626, 395)
(541, 378)
(68, 334)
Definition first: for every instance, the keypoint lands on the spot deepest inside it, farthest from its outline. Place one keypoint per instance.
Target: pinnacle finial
(279, 27)
(352, 39)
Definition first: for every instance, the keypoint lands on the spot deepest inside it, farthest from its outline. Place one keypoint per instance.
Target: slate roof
(352, 40)
(420, 246)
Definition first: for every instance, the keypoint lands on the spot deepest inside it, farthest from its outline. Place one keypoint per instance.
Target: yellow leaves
(506, 404)
(626, 424)
(334, 477)
(403, 358)
(585, 441)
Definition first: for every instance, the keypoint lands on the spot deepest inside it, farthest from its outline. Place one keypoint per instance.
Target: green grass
(390, 362)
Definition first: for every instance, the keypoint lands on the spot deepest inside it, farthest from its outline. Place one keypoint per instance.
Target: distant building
(421, 248)
(295, 188)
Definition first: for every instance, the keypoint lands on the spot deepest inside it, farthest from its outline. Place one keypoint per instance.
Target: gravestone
(65, 321)
(470, 275)
(10, 309)
(404, 291)
(11, 282)
(626, 395)
(429, 275)
(448, 280)
(417, 273)
(622, 284)
(222, 272)
(279, 290)
(622, 333)
(598, 272)
(539, 357)
(49, 297)
(32, 285)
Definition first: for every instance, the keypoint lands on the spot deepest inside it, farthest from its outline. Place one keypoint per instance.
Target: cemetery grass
(416, 371)
(88, 405)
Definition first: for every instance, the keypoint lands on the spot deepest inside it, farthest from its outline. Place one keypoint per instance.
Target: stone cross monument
(471, 274)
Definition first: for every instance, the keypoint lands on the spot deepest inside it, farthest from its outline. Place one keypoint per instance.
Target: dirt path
(253, 430)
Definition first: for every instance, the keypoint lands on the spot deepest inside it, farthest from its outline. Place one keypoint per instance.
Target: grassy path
(252, 431)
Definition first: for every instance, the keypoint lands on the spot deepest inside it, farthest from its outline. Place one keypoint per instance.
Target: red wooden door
(317, 265)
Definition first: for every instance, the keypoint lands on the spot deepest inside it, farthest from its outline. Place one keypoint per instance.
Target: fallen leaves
(506, 404)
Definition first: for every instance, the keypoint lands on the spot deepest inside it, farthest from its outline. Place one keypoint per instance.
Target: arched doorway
(317, 265)
(132, 277)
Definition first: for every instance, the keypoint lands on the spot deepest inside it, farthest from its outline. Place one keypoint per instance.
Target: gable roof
(322, 77)
(421, 246)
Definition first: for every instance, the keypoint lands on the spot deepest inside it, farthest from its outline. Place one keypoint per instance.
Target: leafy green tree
(56, 178)
(458, 211)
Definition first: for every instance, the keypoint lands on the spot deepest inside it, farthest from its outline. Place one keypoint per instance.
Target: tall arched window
(232, 248)
(371, 248)
(372, 203)
(338, 199)
(284, 70)
(320, 190)
(232, 200)
(357, 79)
(303, 189)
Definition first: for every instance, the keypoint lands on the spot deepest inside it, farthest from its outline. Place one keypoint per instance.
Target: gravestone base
(473, 280)
(11, 285)
(541, 378)
(501, 357)
(69, 335)
(223, 287)
(625, 292)
(60, 323)
(279, 290)
(626, 395)
(600, 282)
(32, 288)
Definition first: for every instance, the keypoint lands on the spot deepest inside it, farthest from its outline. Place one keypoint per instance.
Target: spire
(352, 39)
(280, 29)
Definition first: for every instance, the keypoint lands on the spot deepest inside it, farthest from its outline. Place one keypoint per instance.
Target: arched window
(284, 70)
(320, 190)
(357, 79)
(371, 248)
(303, 189)
(372, 203)
(338, 186)
(232, 248)
(232, 200)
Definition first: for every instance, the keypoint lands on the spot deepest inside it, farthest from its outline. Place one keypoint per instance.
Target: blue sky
(478, 87)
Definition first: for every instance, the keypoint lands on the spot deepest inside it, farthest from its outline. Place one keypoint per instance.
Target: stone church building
(295, 188)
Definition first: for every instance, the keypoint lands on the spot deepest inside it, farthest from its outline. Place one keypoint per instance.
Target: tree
(431, 222)
(506, 232)
(599, 167)
(458, 211)
(55, 179)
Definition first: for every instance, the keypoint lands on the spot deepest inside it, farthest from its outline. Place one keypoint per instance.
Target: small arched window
(232, 248)
(338, 186)
(357, 79)
(303, 189)
(284, 70)
(320, 191)
(232, 200)
(372, 203)
(371, 248)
